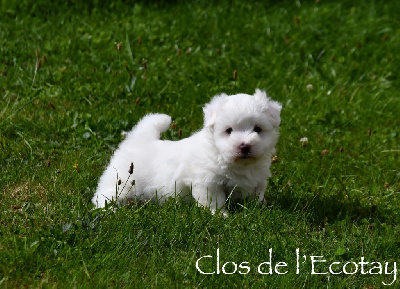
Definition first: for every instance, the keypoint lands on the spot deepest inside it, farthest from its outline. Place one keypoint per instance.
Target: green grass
(338, 197)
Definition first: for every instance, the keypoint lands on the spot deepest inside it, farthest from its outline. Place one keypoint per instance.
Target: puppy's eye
(229, 130)
(257, 129)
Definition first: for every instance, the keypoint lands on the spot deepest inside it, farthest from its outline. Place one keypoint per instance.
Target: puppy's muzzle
(244, 150)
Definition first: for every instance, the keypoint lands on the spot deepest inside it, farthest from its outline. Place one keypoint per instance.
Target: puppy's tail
(150, 127)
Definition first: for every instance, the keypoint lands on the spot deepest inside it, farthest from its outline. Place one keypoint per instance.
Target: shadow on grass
(321, 208)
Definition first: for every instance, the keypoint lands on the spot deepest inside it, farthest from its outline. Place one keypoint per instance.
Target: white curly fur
(229, 157)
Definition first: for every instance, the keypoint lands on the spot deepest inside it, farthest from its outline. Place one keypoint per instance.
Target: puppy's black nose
(244, 149)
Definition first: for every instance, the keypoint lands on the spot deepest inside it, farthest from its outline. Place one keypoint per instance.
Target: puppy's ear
(212, 108)
(272, 108)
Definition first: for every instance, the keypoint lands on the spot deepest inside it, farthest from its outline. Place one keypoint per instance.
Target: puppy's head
(243, 126)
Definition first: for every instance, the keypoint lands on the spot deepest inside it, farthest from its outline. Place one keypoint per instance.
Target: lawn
(74, 76)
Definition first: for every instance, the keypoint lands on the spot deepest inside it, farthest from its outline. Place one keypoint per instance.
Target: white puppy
(229, 158)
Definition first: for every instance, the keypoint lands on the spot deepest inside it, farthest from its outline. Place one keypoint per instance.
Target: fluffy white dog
(229, 158)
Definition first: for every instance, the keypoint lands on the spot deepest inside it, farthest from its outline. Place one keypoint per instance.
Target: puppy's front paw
(221, 212)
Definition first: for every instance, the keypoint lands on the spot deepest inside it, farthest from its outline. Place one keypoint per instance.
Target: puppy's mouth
(244, 159)
(244, 156)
